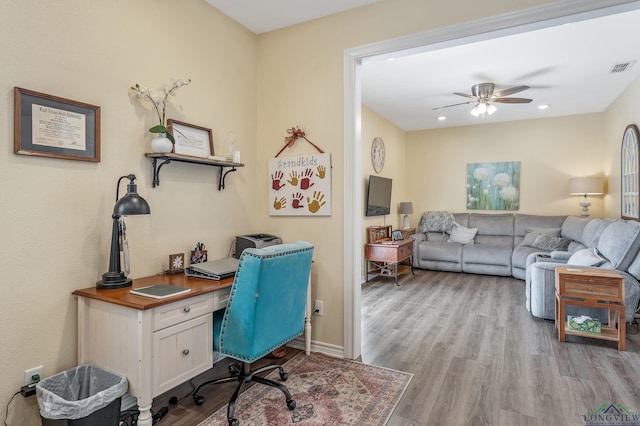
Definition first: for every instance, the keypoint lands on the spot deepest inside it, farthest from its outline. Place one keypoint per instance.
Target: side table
(385, 258)
(593, 288)
(406, 232)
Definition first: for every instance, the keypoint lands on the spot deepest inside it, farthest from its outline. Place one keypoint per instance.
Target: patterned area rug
(327, 391)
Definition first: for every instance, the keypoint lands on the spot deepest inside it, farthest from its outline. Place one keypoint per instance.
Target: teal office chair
(266, 310)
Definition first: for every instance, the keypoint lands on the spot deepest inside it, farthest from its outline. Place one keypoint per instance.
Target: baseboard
(323, 348)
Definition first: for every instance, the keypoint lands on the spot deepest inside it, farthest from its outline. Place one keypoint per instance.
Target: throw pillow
(532, 234)
(586, 257)
(462, 235)
(546, 242)
(436, 221)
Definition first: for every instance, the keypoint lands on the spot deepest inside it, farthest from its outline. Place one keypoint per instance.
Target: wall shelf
(160, 159)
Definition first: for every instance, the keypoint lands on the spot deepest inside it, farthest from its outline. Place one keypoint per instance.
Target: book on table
(159, 291)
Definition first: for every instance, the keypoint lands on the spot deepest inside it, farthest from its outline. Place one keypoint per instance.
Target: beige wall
(300, 82)
(624, 111)
(56, 214)
(56, 220)
(550, 151)
(373, 126)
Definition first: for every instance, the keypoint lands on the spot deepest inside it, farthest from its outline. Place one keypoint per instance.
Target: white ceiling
(261, 16)
(566, 66)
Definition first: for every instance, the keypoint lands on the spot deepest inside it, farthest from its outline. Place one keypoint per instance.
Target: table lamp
(406, 208)
(586, 186)
(130, 204)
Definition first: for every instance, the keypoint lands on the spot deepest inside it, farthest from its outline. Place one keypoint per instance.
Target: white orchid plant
(159, 102)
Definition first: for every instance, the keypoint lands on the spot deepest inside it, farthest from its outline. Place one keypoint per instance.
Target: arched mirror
(629, 173)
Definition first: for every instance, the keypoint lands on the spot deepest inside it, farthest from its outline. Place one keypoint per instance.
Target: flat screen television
(378, 196)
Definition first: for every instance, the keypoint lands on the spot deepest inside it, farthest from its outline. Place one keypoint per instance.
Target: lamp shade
(586, 186)
(406, 208)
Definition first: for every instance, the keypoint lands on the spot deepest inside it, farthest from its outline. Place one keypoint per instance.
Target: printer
(255, 241)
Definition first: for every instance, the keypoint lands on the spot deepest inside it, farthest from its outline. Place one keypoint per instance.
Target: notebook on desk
(215, 269)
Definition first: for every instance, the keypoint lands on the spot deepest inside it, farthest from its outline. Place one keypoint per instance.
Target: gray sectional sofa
(529, 247)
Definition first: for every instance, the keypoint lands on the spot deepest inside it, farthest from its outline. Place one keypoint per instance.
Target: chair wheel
(234, 422)
(199, 399)
(291, 404)
(284, 376)
(234, 370)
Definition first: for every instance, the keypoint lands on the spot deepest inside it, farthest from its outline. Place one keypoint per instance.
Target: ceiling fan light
(482, 108)
(491, 109)
(475, 111)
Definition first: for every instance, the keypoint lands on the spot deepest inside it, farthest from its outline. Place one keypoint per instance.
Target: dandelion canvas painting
(493, 186)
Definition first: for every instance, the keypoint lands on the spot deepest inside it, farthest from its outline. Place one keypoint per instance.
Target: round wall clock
(377, 154)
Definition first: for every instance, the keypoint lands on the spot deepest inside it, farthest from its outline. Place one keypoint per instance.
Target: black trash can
(86, 395)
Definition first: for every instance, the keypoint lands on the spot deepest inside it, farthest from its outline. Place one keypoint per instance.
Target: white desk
(156, 344)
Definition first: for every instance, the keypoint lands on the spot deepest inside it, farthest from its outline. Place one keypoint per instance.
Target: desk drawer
(593, 287)
(405, 250)
(221, 298)
(183, 310)
(182, 352)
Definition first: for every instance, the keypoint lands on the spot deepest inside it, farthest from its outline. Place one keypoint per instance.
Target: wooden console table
(156, 343)
(592, 288)
(385, 258)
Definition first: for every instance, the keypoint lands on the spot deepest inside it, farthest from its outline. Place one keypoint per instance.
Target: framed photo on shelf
(378, 233)
(191, 139)
(397, 236)
(51, 126)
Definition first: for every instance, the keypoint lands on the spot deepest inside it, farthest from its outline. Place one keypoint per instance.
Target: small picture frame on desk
(397, 236)
(176, 263)
(377, 234)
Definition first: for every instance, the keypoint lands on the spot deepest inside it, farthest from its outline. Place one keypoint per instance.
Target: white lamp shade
(586, 186)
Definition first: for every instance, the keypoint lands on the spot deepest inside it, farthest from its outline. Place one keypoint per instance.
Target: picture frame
(51, 126)
(397, 236)
(378, 233)
(196, 141)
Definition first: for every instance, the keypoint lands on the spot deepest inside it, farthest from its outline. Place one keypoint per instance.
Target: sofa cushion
(533, 232)
(634, 268)
(593, 230)
(619, 243)
(436, 236)
(461, 234)
(441, 251)
(573, 227)
(492, 224)
(546, 242)
(586, 257)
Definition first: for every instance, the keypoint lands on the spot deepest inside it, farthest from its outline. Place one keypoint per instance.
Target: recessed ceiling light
(442, 118)
(544, 106)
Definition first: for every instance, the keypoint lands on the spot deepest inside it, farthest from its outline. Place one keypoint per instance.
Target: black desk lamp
(130, 204)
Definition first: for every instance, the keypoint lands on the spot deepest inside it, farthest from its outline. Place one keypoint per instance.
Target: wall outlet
(318, 308)
(28, 374)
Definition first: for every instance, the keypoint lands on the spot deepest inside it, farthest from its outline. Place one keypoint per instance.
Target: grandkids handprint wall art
(300, 185)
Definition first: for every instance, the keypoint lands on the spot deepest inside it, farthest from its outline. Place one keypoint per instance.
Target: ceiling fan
(483, 95)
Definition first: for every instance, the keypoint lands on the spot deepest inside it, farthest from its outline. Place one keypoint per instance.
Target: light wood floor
(477, 355)
(479, 358)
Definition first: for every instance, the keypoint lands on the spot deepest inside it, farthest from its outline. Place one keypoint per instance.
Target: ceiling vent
(622, 67)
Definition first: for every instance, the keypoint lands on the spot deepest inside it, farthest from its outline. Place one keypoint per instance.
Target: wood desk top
(122, 296)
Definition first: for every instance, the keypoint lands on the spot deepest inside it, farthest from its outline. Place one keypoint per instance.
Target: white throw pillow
(586, 257)
(462, 235)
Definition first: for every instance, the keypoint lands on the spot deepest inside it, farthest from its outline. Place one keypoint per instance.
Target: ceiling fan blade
(466, 95)
(510, 91)
(447, 106)
(512, 100)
